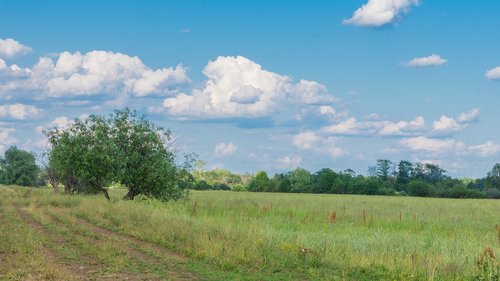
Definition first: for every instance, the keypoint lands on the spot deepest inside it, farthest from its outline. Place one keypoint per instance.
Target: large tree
(146, 164)
(84, 155)
(90, 154)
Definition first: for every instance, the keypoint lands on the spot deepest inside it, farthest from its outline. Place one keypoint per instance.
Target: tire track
(176, 275)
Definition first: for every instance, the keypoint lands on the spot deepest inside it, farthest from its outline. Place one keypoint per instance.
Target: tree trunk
(105, 192)
(130, 195)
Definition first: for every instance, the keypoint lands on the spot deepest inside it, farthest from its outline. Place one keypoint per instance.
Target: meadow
(221, 235)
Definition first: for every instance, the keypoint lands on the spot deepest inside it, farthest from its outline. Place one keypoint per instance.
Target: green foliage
(18, 167)
(260, 182)
(90, 154)
(419, 188)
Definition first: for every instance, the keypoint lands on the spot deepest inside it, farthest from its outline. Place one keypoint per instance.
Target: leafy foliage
(18, 167)
(90, 154)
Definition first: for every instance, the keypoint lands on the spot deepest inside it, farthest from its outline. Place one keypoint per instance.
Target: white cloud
(19, 111)
(468, 117)
(305, 140)
(380, 12)
(225, 149)
(6, 138)
(60, 122)
(493, 74)
(93, 73)
(402, 127)
(239, 87)
(447, 125)
(289, 161)
(10, 48)
(320, 144)
(486, 149)
(432, 60)
(432, 145)
(385, 128)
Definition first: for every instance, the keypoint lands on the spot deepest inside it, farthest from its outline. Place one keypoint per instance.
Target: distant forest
(385, 178)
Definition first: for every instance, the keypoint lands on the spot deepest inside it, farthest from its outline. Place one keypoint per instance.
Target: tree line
(384, 178)
(90, 154)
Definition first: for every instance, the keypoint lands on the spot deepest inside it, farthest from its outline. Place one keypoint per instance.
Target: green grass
(271, 236)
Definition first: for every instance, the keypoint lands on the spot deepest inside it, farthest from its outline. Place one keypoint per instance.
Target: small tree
(259, 182)
(19, 167)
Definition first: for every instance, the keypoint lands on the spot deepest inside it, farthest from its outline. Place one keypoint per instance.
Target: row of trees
(415, 179)
(125, 148)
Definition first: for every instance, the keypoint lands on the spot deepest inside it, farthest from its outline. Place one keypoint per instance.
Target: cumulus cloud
(305, 140)
(447, 125)
(289, 161)
(19, 111)
(224, 149)
(493, 74)
(432, 145)
(92, 73)
(469, 117)
(352, 126)
(486, 149)
(432, 60)
(239, 87)
(10, 48)
(380, 12)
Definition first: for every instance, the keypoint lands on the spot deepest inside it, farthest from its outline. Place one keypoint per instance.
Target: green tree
(383, 168)
(90, 154)
(145, 158)
(493, 177)
(419, 188)
(18, 167)
(405, 170)
(259, 182)
(84, 155)
(300, 179)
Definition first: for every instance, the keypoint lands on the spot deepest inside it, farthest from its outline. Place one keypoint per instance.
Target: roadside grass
(270, 236)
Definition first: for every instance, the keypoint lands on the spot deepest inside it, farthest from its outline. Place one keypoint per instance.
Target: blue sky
(251, 85)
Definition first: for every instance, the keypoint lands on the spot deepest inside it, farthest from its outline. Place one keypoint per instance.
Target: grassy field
(219, 235)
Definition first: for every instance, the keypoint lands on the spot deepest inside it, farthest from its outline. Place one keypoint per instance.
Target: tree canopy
(18, 167)
(91, 153)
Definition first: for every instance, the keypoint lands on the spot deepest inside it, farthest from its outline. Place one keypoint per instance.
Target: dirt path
(145, 257)
(88, 268)
(80, 271)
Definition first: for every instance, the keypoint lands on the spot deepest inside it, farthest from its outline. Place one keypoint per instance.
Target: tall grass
(327, 237)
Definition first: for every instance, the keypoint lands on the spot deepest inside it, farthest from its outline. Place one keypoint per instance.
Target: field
(218, 235)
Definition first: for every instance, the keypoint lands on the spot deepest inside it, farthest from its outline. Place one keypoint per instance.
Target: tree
(84, 155)
(405, 170)
(324, 181)
(259, 182)
(383, 168)
(300, 179)
(18, 167)
(493, 177)
(433, 173)
(146, 159)
(90, 154)
(419, 188)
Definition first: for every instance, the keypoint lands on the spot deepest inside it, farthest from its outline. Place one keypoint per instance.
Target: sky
(264, 85)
